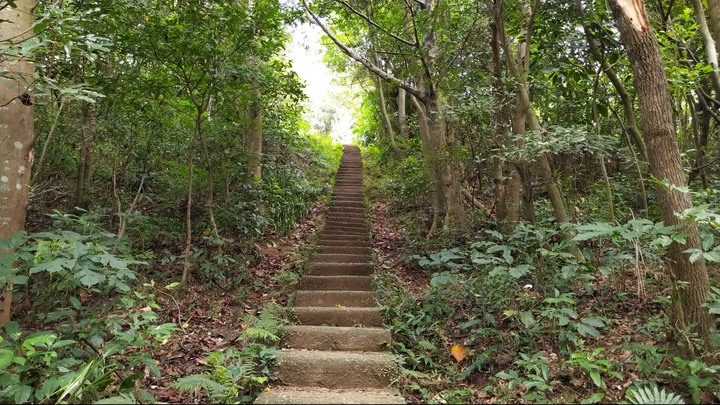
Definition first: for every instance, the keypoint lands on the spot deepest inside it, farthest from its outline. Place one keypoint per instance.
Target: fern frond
(256, 333)
(200, 381)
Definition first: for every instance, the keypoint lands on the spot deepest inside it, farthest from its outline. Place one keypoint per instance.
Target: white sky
(322, 87)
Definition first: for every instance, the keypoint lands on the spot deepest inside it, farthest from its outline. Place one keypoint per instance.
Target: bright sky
(322, 87)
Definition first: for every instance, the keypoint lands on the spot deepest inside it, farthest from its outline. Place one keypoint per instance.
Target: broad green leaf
(596, 378)
(89, 278)
(593, 322)
(586, 330)
(6, 358)
(526, 317)
(594, 398)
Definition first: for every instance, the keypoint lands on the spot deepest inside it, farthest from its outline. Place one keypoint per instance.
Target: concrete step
(341, 269)
(337, 338)
(346, 197)
(324, 241)
(335, 369)
(335, 298)
(347, 220)
(342, 257)
(347, 204)
(350, 226)
(355, 250)
(353, 214)
(352, 223)
(337, 213)
(346, 230)
(306, 395)
(343, 235)
(335, 283)
(339, 316)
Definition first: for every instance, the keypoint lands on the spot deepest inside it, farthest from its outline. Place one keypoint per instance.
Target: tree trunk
(386, 118)
(601, 158)
(254, 136)
(188, 214)
(714, 13)
(84, 165)
(711, 54)
(499, 124)
(628, 110)
(210, 178)
(438, 203)
(16, 127)
(666, 165)
(402, 115)
(448, 181)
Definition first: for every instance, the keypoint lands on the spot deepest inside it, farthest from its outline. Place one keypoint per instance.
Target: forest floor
(211, 319)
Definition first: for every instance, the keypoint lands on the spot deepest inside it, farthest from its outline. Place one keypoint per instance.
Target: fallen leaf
(458, 351)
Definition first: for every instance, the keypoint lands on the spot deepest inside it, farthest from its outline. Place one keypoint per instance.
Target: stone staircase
(337, 351)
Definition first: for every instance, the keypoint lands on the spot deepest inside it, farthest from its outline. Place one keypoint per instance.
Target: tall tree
(689, 278)
(16, 126)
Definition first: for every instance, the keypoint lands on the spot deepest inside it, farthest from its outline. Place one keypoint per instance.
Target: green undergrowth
(238, 374)
(519, 319)
(90, 325)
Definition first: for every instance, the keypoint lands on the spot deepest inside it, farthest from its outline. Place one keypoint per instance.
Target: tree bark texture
(16, 131)
(402, 115)
(665, 164)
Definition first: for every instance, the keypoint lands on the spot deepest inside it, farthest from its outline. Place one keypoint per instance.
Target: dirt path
(337, 352)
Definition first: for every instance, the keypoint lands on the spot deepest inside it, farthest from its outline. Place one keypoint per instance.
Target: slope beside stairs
(337, 350)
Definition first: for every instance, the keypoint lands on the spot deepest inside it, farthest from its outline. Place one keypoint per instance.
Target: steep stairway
(337, 351)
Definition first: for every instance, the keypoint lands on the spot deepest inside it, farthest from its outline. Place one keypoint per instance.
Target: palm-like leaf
(651, 394)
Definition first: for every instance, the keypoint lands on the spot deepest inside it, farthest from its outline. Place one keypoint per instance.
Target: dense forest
(540, 178)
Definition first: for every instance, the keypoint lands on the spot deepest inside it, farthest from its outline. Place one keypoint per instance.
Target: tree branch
(376, 25)
(364, 61)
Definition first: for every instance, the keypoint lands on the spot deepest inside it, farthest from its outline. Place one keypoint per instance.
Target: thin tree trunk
(426, 146)
(666, 165)
(254, 136)
(524, 103)
(84, 165)
(636, 162)
(714, 14)
(521, 168)
(711, 54)
(211, 182)
(38, 165)
(16, 132)
(188, 214)
(499, 121)
(601, 158)
(628, 110)
(448, 179)
(385, 118)
(402, 115)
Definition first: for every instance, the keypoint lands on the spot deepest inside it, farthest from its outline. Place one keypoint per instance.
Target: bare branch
(374, 24)
(364, 61)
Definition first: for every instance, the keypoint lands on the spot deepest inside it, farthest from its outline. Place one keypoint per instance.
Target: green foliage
(92, 347)
(649, 393)
(237, 376)
(570, 141)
